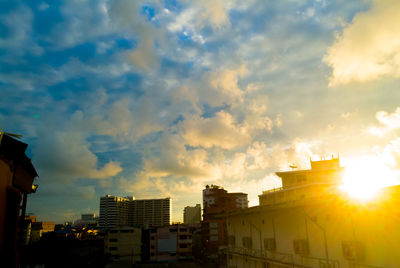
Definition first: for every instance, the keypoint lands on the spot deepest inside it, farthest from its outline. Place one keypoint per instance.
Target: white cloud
(221, 131)
(221, 86)
(368, 48)
(389, 121)
(201, 13)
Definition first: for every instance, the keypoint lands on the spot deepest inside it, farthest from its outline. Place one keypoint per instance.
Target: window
(113, 231)
(113, 240)
(183, 245)
(113, 248)
(214, 231)
(183, 237)
(213, 224)
(173, 230)
(152, 247)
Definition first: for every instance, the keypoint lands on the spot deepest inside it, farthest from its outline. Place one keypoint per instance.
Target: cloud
(220, 87)
(67, 155)
(201, 13)
(368, 48)
(391, 154)
(18, 25)
(221, 131)
(125, 14)
(389, 121)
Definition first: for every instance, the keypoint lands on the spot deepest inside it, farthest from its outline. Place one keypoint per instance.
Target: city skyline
(158, 99)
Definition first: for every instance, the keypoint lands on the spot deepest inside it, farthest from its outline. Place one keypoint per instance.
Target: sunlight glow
(364, 177)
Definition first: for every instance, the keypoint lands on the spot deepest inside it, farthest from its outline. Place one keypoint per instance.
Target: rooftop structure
(323, 176)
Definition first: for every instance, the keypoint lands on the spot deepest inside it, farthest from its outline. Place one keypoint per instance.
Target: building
(192, 214)
(126, 211)
(16, 182)
(87, 220)
(300, 184)
(114, 211)
(172, 243)
(150, 212)
(309, 222)
(124, 244)
(39, 228)
(217, 201)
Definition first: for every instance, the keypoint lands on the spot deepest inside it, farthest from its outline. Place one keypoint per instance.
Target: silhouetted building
(16, 181)
(192, 214)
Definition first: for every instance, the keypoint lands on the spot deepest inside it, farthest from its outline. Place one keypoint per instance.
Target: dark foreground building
(16, 182)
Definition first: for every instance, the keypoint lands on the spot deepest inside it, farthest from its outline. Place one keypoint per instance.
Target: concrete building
(124, 244)
(192, 214)
(150, 212)
(39, 228)
(126, 211)
(309, 222)
(114, 211)
(172, 243)
(87, 220)
(217, 201)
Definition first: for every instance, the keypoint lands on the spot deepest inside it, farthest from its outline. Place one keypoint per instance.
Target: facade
(311, 223)
(150, 212)
(87, 220)
(124, 244)
(217, 201)
(114, 211)
(172, 243)
(192, 214)
(39, 228)
(126, 211)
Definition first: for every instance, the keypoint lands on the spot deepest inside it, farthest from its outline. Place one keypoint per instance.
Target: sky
(160, 98)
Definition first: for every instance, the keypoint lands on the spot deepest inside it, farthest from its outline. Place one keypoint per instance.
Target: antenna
(293, 166)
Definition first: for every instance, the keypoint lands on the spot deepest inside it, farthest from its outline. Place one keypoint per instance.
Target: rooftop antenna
(293, 166)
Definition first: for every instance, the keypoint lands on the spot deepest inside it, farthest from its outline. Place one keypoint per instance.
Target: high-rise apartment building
(192, 214)
(114, 211)
(126, 211)
(150, 212)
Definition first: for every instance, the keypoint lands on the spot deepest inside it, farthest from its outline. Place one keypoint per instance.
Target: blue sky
(160, 98)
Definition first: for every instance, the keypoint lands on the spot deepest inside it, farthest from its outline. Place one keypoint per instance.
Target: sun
(365, 176)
